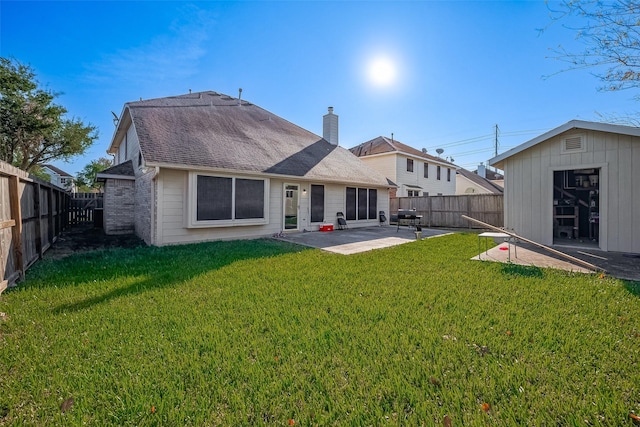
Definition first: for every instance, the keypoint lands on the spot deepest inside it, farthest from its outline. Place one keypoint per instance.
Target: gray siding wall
(529, 187)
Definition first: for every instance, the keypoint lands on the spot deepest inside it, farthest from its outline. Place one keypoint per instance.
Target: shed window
(409, 165)
(317, 203)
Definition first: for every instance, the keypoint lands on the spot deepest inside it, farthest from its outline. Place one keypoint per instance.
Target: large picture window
(373, 203)
(317, 203)
(249, 198)
(226, 201)
(214, 198)
(351, 204)
(361, 203)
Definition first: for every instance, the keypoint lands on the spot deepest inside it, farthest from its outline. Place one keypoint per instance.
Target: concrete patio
(620, 265)
(355, 240)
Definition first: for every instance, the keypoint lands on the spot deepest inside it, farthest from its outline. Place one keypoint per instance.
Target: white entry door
(291, 207)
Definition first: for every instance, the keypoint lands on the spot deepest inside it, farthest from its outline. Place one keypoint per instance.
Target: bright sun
(382, 71)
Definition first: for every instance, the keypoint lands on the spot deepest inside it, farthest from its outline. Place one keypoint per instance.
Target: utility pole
(496, 143)
(496, 140)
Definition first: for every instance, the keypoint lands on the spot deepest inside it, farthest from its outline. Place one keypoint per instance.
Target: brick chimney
(330, 127)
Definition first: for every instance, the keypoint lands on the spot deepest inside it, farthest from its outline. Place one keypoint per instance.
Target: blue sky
(460, 67)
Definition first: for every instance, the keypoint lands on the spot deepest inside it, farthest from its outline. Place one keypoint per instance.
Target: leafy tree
(40, 173)
(86, 178)
(610, 33)
(33, 129)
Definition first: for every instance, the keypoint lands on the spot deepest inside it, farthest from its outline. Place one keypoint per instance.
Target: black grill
(410, 217)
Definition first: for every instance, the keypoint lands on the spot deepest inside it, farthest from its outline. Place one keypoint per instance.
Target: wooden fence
(86, 207)
(445, 211)
(32, 215)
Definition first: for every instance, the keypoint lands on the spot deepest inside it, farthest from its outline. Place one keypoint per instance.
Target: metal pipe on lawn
(540, 245)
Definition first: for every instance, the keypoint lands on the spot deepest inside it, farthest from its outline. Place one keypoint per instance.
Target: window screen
(373, 204)
(249, 198)
(351, 204)
(317, 203)
(214, 198)
(362, 203)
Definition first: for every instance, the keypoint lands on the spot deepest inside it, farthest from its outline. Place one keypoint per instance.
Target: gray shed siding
(529, 187)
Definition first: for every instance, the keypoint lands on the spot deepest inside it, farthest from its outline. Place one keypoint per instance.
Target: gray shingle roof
(383, 144)
(123, 169)
(57, 170)
(483, 182)
(212, 130)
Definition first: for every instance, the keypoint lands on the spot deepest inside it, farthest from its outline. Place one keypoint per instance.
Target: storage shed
(578, 184)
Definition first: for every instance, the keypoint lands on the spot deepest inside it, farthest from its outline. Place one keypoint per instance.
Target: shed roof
(213, 130)
(383, 145)
(573, 124)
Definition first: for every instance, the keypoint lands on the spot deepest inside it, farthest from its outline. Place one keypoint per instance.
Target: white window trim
(192, 204)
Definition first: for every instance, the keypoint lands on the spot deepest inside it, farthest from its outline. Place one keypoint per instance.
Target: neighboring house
(206, 166)
(415, 172)
(59, 177)
(468, 182)
(575, 184)
(492, 176)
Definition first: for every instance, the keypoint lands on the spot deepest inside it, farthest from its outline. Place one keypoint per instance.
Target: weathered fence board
(32, 215)
(82, 207)
(446, 211)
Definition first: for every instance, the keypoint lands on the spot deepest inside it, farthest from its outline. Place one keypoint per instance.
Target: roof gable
(478, 180)
(383, 145)
(573, 124)
(213, 130)
(56, 170)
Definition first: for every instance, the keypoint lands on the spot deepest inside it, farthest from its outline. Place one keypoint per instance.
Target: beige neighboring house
(493, 176)
(468, 182)
(207, 166)
(576, 184)
(59, 177)
(415, 172)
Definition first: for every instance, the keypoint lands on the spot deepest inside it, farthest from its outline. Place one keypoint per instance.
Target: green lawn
(263, 332)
